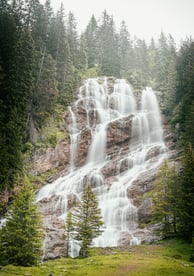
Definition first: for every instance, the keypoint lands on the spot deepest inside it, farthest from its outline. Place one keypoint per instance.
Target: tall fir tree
(165, 196)
(68, 230)
(20, 236)
(184, 93)
(186, 196)
(107, 39)
(152, 53)
(90, 36)
(87, 220)
(125, 51)
(140, 70)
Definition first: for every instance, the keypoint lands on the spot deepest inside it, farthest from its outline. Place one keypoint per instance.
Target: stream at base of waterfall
(105, 103)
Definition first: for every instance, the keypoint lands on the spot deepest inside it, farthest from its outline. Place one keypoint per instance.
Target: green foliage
(68, 229)
(20, 236)
(90, 36)
(87, 220)
(27, 147)
(165, 196)
(108, 43)
(184, 93)
(186, 197)
(90, 73)
(44, 91)
(16, 48)
(192, 251)
(172, 198)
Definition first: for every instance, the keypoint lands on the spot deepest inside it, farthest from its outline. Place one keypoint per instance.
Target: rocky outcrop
(119, 133)
(83, 143)
(52, 158)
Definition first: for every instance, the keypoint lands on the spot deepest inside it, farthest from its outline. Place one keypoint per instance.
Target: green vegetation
(172, 198)
(86, 220)
(20, 236)
(170, 257)
(165, 197)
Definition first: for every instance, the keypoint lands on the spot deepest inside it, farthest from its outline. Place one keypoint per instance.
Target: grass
(169, 258)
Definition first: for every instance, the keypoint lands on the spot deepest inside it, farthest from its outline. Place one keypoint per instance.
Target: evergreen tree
(82, 65)
(140, 72)
(90, 36)
(20, 236)
(186, 196)
(162, 63)
(125, 51)
(68, 230)
(74, 62)
(166, 75)
(87, 220)
(72, 37)
(165, 196)
(152, 53)
(17, 47)
(44, 94)
(108, 58)
(184, 94)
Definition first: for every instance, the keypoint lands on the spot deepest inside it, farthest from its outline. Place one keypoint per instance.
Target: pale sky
(144, 18)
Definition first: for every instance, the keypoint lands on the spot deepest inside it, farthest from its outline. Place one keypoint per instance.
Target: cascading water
(104, 106)
(74, 136)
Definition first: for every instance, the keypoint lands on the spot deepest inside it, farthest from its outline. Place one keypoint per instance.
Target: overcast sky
(144, 18)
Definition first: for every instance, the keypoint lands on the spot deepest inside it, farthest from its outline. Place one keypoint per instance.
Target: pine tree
(68, 230)
(125, 51)
(108, 55)
(72, 37)
(152, 52)
(90, 36)
(20, 236)
(87, 220)
(186, 196)
(82, 58)
(140, 72)
(184, 93)
(166, 75)
(165, 198)
(43, 93)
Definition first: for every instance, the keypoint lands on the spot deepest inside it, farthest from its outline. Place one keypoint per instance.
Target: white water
(73, 137)
(119, 214)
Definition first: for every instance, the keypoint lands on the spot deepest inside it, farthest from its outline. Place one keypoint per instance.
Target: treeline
(43, 59)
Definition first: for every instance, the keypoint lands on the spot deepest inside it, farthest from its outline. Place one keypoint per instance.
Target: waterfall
(97, 149)
(73, 137)
(104, 107)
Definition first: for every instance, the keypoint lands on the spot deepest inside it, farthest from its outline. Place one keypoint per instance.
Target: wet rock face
(119, 133)
(53, 158)
(123, 146)
(83, 144)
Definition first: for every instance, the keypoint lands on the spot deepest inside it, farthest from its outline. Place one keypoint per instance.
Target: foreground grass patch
(166, 258)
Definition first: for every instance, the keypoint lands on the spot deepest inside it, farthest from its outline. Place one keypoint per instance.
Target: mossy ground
(165, 258)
